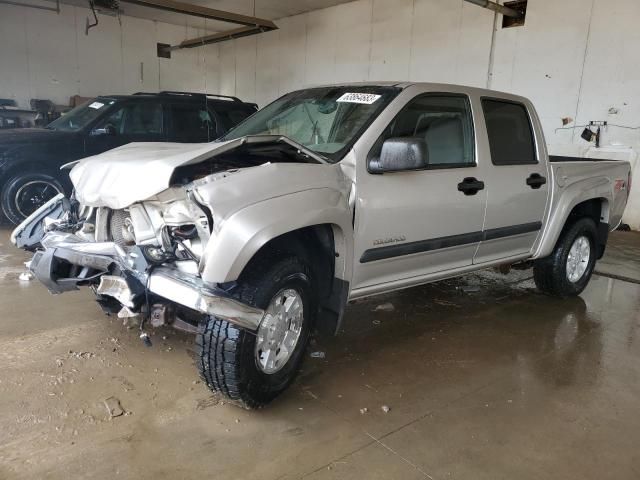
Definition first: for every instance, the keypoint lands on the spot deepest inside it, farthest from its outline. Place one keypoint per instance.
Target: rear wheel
(252, 369)
(567, 271)
(25, 192)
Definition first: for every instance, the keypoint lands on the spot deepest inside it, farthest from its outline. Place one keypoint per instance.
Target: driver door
(132, 122)
(415, 223)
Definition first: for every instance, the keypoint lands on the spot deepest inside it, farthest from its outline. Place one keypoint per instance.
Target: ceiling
(267, 9)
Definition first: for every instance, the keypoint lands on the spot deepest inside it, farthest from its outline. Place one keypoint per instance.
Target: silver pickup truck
(326, 195)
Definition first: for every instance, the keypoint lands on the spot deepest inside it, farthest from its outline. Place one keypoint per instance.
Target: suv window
(144, 118)
(443, 121)
(191, 123)
(231, 115)
(509, 130)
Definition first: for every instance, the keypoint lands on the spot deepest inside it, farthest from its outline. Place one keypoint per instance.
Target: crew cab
(326, 195)
(30, 158)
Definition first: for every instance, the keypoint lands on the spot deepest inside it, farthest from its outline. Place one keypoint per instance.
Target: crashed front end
(141, 261)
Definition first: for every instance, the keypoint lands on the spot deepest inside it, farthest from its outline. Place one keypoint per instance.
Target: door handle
(536, 180)
(470, 186)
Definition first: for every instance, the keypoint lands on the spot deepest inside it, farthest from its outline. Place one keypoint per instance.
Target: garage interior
(479, 376)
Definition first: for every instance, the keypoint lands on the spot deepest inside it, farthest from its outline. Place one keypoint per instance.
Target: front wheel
(252, 369)
(25, 192)
(567, 271)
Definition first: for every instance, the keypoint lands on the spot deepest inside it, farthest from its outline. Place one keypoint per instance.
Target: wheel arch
(314, 224)
(596, 208)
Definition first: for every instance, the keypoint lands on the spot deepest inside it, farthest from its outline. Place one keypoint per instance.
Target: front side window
(444, 122)
(510, 134)
(82, 115)
(327, 120)
(144, 118)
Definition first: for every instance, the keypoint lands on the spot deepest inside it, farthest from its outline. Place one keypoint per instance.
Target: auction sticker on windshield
(365, 98)
(96, 105)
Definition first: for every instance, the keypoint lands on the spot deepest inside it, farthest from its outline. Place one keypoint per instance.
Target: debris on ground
(317, 354)
(59, 362)
(114, 407)
(81, 355)
(385, 307)
(469, 288)
(386, 408)
(25, 277)
(445, 303)
(364, 410)
(376, 322)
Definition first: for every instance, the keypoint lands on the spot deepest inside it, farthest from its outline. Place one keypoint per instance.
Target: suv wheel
(25, 192)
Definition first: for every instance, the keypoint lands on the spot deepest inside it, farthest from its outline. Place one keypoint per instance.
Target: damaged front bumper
(66, 261)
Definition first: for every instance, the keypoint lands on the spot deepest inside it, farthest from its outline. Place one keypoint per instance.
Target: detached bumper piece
(68, 261)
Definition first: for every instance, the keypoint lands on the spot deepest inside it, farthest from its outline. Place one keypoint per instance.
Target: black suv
(30, 158)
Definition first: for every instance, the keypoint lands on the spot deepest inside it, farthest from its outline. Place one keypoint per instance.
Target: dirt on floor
(478, 377)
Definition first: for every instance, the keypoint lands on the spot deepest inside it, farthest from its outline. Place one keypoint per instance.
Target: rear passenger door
(516, 182)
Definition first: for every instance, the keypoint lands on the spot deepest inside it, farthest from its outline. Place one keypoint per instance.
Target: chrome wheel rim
(279, 331)
(32, 195)
(578, 259)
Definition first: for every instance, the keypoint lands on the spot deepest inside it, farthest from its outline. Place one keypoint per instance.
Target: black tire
(24, 192)
(226, 353)
(550, 273)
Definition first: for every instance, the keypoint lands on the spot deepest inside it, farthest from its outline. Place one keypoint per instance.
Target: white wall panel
(211, 58)
(139, 59)
(390, 39)
(474, 51)
(14, 65)
(268, 68)
(353, 41)
(99, 57)
(52, 54)
(435, 42)
(228, 68)
(292, 52)
(320, 62)
(611, 78)
(246, 50)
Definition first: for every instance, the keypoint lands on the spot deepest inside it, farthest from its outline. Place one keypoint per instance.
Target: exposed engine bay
(143, 260)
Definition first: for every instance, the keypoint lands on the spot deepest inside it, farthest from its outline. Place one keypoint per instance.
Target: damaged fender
(242, 234)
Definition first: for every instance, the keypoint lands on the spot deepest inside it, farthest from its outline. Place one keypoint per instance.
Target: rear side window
(232, 115)
(510, 133)
(190, 123)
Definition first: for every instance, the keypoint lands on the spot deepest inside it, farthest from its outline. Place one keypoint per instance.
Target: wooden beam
(220, 37)
(205, 12)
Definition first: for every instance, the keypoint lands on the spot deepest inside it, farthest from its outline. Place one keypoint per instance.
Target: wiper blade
(284, 139)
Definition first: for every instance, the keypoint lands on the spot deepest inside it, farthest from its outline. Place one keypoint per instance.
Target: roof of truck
(433, 86)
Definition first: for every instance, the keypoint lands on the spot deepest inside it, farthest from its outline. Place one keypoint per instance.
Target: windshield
(82, 115)
(326, 120)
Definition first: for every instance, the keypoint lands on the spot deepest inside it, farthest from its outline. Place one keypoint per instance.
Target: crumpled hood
(133, 172)
(138, 171)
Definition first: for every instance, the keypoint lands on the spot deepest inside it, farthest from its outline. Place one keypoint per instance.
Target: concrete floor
(484, 377)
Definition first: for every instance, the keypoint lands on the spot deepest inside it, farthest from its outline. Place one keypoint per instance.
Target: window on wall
(443, 121)
(510, 135)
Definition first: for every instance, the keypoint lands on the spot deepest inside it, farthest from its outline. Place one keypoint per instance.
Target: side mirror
(106, 130)
(400, 154)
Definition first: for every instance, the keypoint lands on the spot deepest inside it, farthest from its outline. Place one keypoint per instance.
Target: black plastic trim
(391, 251)
(501, 232)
